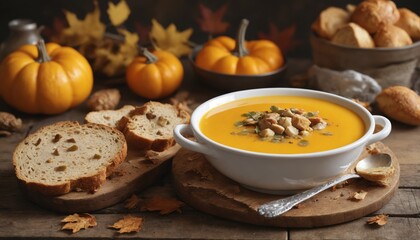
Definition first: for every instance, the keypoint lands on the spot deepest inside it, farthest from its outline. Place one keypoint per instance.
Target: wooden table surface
(20, 218)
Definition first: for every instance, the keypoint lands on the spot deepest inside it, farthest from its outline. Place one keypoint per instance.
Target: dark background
(184, 14)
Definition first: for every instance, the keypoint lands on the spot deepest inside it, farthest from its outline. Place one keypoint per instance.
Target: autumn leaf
(283, 39)
(111, 57)
(128, 224)
(76, 222)
(83, 31)
(170, 39)
(163, 205)
(212, 22)
(381, 220)
(118, 13)
(132, 202)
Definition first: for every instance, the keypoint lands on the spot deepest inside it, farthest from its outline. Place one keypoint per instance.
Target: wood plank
(404, 141)
(187, 225)
(410, 175)
(405, 202)
(396, 228)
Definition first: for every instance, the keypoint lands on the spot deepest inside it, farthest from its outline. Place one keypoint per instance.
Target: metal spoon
(278, 207)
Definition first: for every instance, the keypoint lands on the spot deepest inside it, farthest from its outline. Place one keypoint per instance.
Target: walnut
(104, 99)
(9, 123)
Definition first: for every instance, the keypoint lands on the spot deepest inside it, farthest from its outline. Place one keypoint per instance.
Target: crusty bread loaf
(410, 22)
(371, 14)
(329, 21)
(150, 127)
(400, 103)
(354, 36)
(391, 36)
(66, 156)
(108, 117)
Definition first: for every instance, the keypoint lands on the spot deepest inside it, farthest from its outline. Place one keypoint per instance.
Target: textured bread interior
(108, 117)
(67, 151)
(157, 122)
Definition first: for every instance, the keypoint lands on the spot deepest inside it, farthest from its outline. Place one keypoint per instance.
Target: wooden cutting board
(137, 172)
(204, 188)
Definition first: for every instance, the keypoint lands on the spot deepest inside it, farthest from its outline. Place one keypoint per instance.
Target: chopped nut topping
(291, 131)
(281, 123)
(56, 138)
(71, 140)
(60, 168)
(72, 148)
(37, 142)
(150, 115)
(266, 133)
(162, 121)
(56, 153)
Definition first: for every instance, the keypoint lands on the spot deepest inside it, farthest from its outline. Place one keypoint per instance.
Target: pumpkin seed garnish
(239, 124)
(303, 143)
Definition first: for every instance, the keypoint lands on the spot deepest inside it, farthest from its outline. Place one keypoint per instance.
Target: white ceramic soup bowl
(279, 173)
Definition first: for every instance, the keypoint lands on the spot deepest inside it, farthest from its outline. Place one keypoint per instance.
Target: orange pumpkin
(154, 75)
(46, 79)
(225, 55)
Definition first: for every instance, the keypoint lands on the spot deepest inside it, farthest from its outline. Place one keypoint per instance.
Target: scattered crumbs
(358, 196)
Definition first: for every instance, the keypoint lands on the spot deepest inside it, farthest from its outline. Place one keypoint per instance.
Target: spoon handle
(278, 207)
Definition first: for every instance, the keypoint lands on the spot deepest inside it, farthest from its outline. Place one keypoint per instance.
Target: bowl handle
(185, 129)
(383, 133)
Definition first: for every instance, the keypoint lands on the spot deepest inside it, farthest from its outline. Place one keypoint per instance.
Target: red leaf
(283, 39)
(212, 22)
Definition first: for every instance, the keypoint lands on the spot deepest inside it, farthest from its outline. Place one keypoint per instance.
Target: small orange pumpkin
(224, 55)
(46, 79)
(154, 75)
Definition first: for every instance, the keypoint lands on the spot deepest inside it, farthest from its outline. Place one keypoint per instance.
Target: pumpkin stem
(240, 49)
(42, 52)
(151, 58)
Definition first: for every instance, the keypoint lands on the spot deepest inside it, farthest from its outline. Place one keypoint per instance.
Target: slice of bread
(150, 127)
(108, 117)
(66, 156)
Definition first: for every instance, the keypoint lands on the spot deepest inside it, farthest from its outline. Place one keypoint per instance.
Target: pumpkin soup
(282, 124)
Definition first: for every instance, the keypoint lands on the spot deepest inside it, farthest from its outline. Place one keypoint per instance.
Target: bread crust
(353, 35)
(410, 22)
(401, 104)
(391, 36)
(84, 183)
(371, 14)
(329, 21)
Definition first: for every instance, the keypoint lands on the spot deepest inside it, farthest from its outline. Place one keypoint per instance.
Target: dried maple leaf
(381, 220)
(112, 57)
(163, 205)
(283, 39)
(118, 13)
(75, 222)
(132, 202)
(170, 39)
(128, 224)
(212, 22)
(80, 32)
(358, 196)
